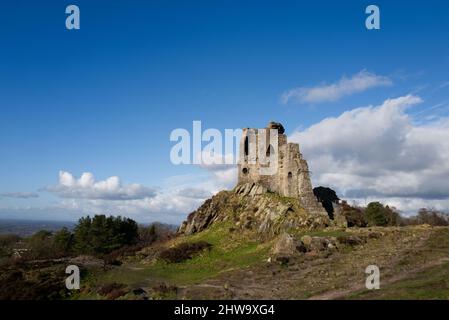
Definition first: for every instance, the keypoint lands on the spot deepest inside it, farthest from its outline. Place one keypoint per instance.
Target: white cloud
(443, 85)
(166, 206)
(217, 160)
(179, 196)
(87, 188)
(381, 152)
(222, 167)
(359, 82)
(194, 193)
(19, 195)
(226, 177)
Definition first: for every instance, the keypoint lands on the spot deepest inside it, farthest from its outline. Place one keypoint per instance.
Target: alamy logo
(72, 282)
(373, 280)
(372, 22)
(261, 147)
(73, 20)
(211, 147)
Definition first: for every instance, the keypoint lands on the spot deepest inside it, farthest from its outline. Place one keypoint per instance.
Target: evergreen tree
(378, 215)
(100, 235)
(63, 242)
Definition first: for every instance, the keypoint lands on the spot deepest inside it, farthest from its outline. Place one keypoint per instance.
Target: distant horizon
(25, 227)
(76, 221)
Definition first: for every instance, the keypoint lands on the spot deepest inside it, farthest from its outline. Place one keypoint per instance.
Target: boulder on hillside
(285, 245)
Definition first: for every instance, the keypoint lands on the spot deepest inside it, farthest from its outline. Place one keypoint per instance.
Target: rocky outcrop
(251, 207)
(286, 246)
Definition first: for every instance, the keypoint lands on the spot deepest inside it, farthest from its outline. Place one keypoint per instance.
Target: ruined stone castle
(267, 159)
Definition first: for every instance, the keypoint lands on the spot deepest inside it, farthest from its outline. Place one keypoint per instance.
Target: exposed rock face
(251, 206)
(285, 245)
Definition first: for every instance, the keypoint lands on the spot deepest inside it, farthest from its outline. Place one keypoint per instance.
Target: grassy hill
(413, 262)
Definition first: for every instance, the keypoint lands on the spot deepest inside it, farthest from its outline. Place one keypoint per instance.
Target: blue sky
(104, 99)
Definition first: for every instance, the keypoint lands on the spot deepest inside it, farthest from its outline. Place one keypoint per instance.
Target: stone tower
(266, 158)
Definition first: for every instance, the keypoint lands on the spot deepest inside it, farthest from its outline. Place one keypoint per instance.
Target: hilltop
(249, 243)
(330, 264)
(246, 243)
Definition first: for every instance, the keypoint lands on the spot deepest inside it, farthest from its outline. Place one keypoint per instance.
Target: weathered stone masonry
(291, 177)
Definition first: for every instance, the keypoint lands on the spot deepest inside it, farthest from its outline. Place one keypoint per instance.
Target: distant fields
(25, 228)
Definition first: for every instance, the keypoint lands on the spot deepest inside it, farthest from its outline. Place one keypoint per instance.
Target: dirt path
(399, 255)
(338, 294)
(419, 246)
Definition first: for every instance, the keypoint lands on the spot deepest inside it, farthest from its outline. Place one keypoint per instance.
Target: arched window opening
(246, 147)
(245, 170)
(270, 151)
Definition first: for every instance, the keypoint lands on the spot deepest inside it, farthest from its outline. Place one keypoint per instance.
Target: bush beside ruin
(183, 251)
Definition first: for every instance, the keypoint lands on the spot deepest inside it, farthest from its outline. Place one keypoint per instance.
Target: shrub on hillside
(22, 282)
(40, 246)
(354, 216)
(164, 291)
(154, 232)
(147, 234)
(432, 217)
(183, 251)
(379, 215)
(113, 290)
(7, 243)
(63, 241)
